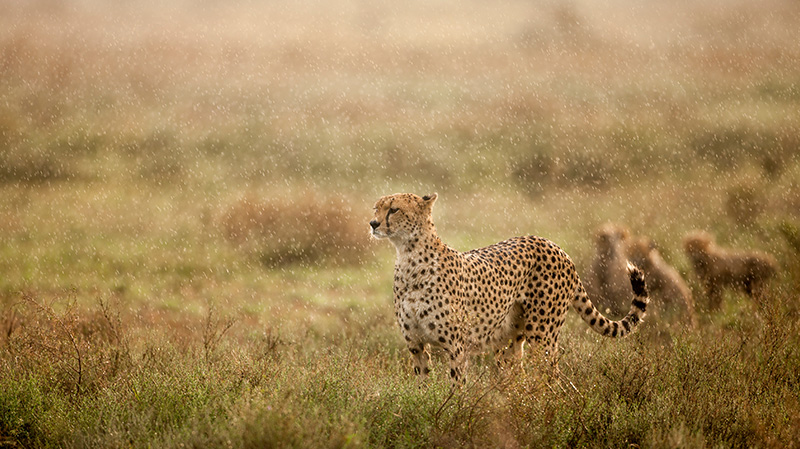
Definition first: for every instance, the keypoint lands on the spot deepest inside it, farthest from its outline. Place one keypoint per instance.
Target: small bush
(584, 169)
(744, 204)
(77, 352)
(302, 228)
(727, 147)
(535, 172)
(20, 163)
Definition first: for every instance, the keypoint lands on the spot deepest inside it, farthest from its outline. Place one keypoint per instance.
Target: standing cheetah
(497, 297)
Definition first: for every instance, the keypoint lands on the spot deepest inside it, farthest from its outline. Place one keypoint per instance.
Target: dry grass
(68, 373)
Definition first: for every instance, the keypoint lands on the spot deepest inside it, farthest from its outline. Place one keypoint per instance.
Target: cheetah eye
(393, 210)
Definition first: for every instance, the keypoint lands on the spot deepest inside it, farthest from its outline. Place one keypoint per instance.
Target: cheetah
(608, 281)
(664, 282)
(718, 268)
(493, 298)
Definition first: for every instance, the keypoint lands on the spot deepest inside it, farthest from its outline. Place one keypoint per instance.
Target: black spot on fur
(640, 305)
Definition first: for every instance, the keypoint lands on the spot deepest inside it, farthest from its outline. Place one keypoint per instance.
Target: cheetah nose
(374, 224)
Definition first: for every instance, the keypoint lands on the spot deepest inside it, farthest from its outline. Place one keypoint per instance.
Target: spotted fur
(493, 298)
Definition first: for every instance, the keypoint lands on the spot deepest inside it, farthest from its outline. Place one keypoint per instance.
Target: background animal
(664, 282)
(719, 268)
(607, 279)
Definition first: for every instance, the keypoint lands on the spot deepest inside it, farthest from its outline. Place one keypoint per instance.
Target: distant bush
(301, 228)
(29, 158)
(22, 164)
(726, 147)
(744, 204)
(584, 169)
(155, 156)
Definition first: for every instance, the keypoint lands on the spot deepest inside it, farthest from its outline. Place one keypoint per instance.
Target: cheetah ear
(428, 200)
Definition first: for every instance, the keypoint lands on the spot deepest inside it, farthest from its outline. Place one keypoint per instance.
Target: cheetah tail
(625, 326)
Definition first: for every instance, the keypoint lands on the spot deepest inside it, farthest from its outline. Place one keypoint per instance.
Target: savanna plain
(186, 186)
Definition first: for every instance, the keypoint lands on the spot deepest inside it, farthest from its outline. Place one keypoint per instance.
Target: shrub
(744, 204)
(21, 163)
(586, 169)
(76, 352)
(726, 147)
(301, 228)
(535, 172)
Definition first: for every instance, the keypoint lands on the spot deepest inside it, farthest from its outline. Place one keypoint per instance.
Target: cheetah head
(402, 215)
(697, 244)
(610, 236)
(641, 250)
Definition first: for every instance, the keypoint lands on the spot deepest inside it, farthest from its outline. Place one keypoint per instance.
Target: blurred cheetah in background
(664, 282)
(607, 281)
(719, 268)
(497, 297)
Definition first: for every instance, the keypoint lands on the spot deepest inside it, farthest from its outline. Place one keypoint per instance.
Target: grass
(734, 383)
(185, 192)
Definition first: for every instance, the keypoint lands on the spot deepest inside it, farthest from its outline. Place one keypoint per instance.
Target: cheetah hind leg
(510, 356)
(510, 338)
(545, 355)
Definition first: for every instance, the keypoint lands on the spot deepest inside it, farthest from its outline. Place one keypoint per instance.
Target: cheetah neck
(415, 249)
(418, 264)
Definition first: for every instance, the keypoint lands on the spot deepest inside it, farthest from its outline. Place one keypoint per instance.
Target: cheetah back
(518, 288)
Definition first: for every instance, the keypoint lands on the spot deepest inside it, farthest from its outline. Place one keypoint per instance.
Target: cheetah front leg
(714, 294)
(420, 358)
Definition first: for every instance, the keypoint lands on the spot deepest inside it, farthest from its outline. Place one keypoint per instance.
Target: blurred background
(180, 152)
(186, 186)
